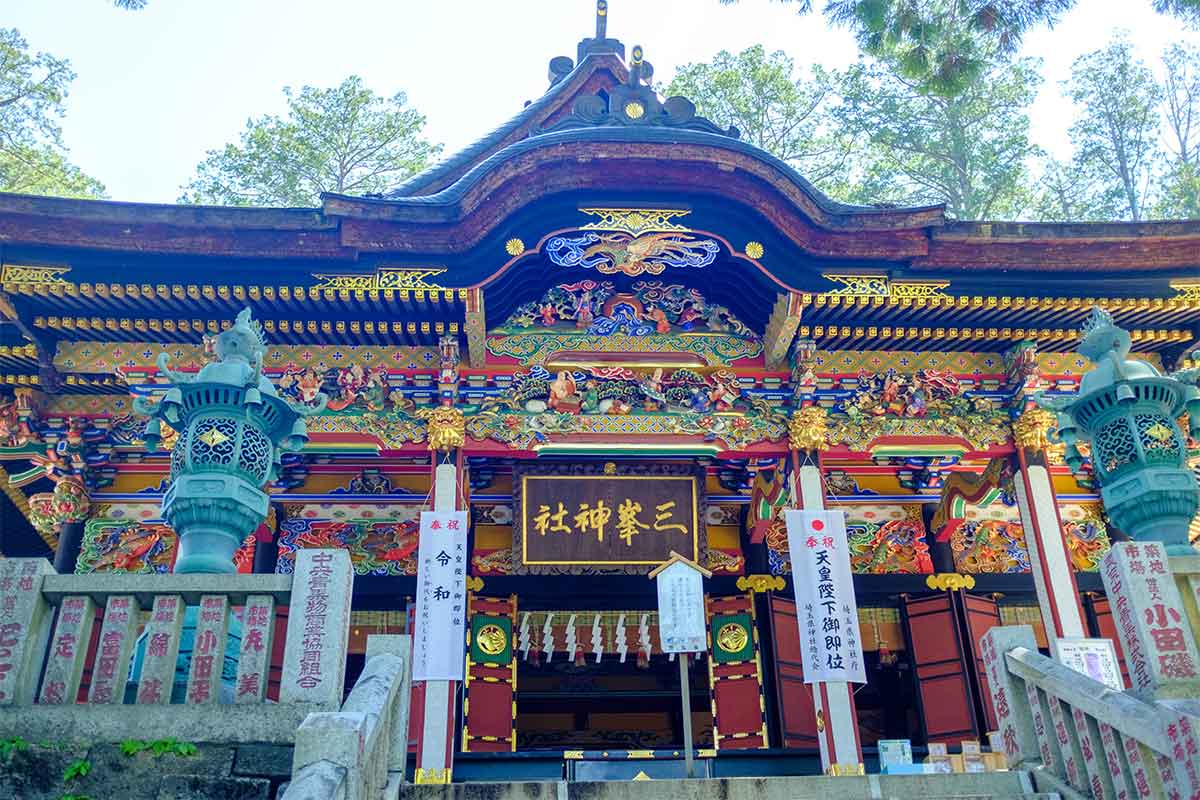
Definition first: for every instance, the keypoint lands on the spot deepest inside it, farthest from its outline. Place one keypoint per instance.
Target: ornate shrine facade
(631, 332)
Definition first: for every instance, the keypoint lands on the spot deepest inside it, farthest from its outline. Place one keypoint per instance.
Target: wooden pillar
(1049, 557)
(266, 542)
(70, 540)
(837, 717)
(439, 699)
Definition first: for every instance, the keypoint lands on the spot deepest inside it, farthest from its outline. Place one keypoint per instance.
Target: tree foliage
(969, 151)
(946, 45)
(346, 140)
(755, 92)
(1179, 195)
(1116, 131)
(33, 90)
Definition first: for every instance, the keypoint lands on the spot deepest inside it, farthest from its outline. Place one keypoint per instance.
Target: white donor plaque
(825, 606)
(439, 648)
(681, 609)
(1096, 658)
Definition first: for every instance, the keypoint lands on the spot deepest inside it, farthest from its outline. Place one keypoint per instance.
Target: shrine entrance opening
(610, 706)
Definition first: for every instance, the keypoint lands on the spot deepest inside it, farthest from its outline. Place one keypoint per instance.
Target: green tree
(346, 139)
(1179, 190)
(969, 150)
(756, 93)
(945, 44)
(33, 90)
(1075, 190)
(1117, 124)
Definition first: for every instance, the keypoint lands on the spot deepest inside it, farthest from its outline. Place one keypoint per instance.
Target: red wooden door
(982, 614)
(941, 664)
(735, 674)
(489, 704)
(797, 712)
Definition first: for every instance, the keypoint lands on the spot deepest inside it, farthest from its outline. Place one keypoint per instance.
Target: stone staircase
(983, 786)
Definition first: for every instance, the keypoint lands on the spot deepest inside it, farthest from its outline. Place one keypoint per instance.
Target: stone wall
(35, 771)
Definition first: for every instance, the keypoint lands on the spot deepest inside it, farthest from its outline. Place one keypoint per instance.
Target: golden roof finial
(601, 19)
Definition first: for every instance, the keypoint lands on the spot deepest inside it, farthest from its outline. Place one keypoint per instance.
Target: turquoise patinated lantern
(232, 428)
(1130, 414)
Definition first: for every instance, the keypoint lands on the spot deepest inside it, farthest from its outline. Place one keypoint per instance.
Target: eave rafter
(781, 328)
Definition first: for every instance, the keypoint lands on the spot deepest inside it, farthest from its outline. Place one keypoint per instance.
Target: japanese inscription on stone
(826, 609)
(258, 625)
(23, 619)
(1149, 616)
(440, 634)
(608, 520)
(162, 650)
(114, 650)
(318, 631)
(68, 651)
(208, 650)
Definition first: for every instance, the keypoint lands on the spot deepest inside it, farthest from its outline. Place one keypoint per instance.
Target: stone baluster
(1009, 697)
(68, 651)
(163, 633)
(1123, 783)
(24, 626)
(1068, 743)
(254, 660)
(1087, 732)
(208, 650)
(117, 633)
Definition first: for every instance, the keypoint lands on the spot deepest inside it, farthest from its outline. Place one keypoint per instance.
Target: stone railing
(359, 752)
(48, 622)
(1083, 738)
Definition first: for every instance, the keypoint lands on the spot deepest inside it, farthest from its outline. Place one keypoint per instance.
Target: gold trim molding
(635, 221)
(20, 275)
(880, 286)
(1188, 290)
(381, 280)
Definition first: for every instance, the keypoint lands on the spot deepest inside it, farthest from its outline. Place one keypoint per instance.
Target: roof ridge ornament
(636, 103)
(600, 43)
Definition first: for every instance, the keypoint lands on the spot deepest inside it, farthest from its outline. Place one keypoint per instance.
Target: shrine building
(630, 333)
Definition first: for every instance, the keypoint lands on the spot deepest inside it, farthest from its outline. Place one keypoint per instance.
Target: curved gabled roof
(587, 104)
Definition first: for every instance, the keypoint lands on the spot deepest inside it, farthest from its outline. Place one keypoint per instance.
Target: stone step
(980, 786)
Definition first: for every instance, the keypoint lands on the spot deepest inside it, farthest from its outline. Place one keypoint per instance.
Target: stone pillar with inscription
(1050, 560)
(118, 630)
(68, 651)
(318, 631)
(163, 633)
(254, 660)
(24, 625)
(837, 718)
(1148, 611)
(208, 650)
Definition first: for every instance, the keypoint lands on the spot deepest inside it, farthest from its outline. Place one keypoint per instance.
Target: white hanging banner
(440, 643)
(681, 609)
(825, 606)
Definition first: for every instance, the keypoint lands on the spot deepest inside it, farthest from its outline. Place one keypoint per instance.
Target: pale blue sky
(159, 87)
